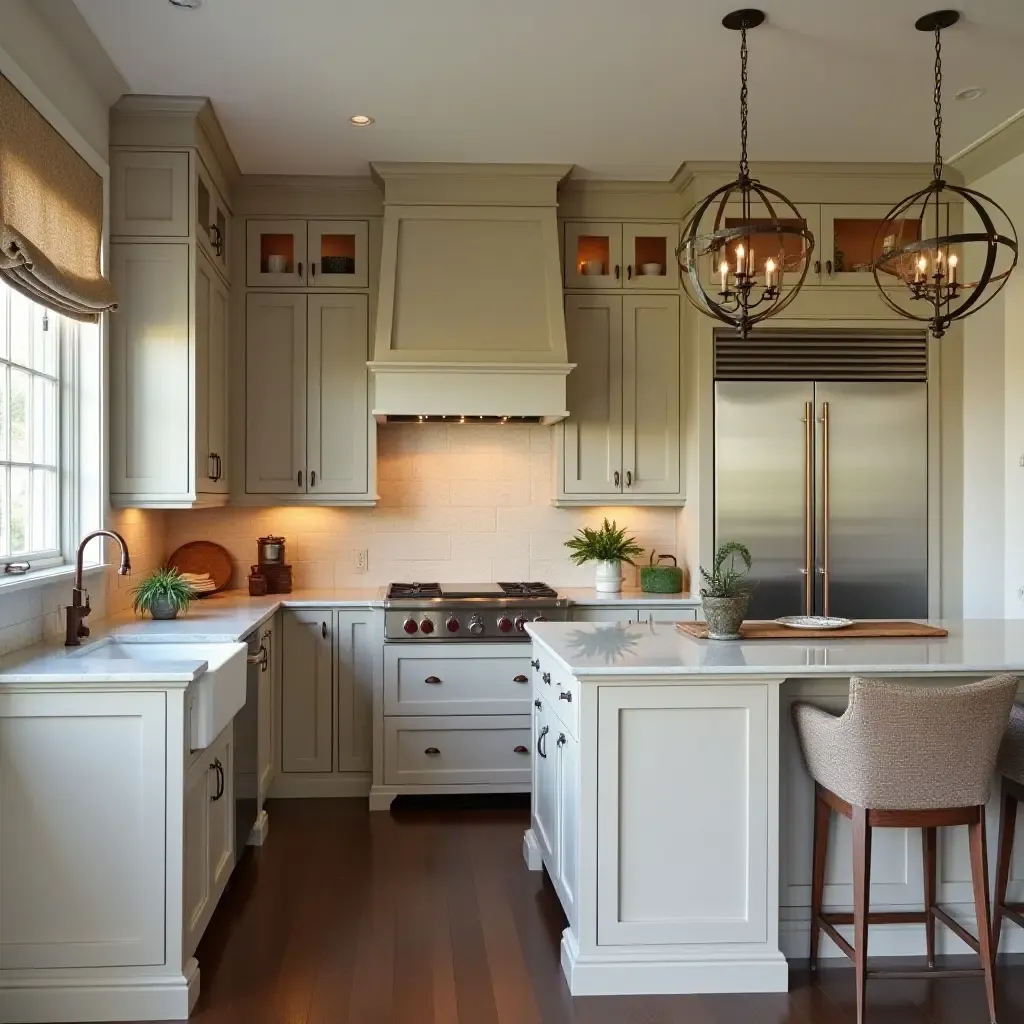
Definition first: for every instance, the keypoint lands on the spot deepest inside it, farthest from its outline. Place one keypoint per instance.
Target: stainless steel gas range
(468, 612)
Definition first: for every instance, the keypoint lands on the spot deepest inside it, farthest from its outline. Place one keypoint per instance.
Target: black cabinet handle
(629, 478)
(519, 679)
(565, 695)
(312, 270)
(538, 703)
(220, 468)
(216, 239)
(323, 630)
(561, 739)
(312, 478)
(542, 747)
(616, 271)
(828, 267)
(817, 266)
(521, 749)
(615, 477)
(546, 676)
(432, 751)
(629, 271)
(433, 680)
(534, 663)
(298, 478)
(300, 269)
(219, 769)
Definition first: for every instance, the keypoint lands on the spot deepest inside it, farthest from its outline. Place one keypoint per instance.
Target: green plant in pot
(726, 591)
(609, 547)
(163, 594)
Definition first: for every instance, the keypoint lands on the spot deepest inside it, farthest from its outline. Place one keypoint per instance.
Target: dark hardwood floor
(429, 916)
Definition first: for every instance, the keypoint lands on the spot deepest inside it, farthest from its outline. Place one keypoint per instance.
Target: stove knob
(505, 624)
(540, 618)
(521, 623)
(410, 626)
(426, 626)
(476, 625)
(452, 625)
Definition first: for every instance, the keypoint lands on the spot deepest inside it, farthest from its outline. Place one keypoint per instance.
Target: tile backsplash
(457, 503)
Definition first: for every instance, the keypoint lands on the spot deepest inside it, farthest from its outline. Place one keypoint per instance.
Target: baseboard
(258, 835)
(52, 1000)
(653, 973)
(531, 851)
(382, 796)
(349, 784)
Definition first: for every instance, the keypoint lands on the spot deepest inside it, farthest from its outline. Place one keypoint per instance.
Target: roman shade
(51, 214)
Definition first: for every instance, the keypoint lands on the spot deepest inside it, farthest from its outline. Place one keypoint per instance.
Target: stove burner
(527, 590)
(398, 590)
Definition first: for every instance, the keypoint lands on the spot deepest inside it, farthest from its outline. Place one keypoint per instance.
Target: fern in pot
(163, 594)
(725, 595)
(609, 547)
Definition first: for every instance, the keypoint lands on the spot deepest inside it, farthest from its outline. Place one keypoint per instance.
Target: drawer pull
(534, 663)
(565, 695)
(546, 676)
(521, 749)
(561, 739)
(432, 751)
(520, 679)
(538, 703)
(542, 747)
(433, 680)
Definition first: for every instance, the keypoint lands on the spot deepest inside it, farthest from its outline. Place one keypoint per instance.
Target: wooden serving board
(863, 630)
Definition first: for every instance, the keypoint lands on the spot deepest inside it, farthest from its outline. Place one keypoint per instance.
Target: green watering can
(661, 579)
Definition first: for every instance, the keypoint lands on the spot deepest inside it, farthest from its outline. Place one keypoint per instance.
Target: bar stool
(904, 756)
(1011, 766)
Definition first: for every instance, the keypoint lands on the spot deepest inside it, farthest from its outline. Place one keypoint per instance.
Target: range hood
(469, 314)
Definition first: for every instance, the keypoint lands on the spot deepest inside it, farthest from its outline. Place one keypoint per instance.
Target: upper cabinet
(612, 255)
(307, 254)
(212, 220)
(149, 193)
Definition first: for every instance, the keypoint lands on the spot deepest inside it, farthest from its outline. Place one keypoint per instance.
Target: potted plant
(163, 594)
(609, 547)
(726, 591)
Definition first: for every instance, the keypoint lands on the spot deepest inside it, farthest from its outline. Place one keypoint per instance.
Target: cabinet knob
(561, 739)
(433, 680)
(521, 749)
(519, 679)
(534, 663)
(432, 751)
(546, 676)
(565, 695)
(538, 703)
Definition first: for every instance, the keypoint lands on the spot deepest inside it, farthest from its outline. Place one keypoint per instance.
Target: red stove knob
(452, 625)
(426, 626)
(505, 624)
(540, 618)
(520, 623)
(410, 626)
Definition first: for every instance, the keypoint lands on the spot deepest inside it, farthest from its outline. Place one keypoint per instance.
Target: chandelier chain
(937, 167)
(744, 166)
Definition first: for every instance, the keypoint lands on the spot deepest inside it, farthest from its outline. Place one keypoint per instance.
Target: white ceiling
(620, 88)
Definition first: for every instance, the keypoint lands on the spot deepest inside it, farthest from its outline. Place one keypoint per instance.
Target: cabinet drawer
(615, 613)
(457, 751)
(491, 682)
(685, 613)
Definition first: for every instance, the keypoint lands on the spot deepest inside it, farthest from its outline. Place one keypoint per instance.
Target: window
(31, 358)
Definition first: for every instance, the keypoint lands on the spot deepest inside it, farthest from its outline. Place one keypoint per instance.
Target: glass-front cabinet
(614, 255)
(213, 219)
(307, 254)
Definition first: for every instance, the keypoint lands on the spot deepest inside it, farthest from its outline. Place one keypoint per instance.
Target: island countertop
(658, 649)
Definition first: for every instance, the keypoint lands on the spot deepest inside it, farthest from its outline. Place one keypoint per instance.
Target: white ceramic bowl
(592, 268)
(651, 269)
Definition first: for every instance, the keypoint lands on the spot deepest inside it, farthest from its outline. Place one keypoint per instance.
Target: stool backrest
(913, 747)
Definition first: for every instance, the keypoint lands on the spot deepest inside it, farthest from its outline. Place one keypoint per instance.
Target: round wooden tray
(203, 556)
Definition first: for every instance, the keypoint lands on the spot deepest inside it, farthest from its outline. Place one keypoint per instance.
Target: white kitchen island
(673, 813)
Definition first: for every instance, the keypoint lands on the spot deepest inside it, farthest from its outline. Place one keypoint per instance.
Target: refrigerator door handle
(825, 488)
(808, 508)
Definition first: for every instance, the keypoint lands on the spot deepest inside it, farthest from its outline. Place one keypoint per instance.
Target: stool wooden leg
(1007, 825)
(979, 876)
(929, 844)
(822, 817)
(861, 899)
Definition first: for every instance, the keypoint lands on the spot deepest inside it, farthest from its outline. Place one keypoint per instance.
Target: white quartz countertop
(618, 650)
(628, 598)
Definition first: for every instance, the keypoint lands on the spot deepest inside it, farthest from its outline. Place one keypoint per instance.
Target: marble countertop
(597, 650)
(630, 598)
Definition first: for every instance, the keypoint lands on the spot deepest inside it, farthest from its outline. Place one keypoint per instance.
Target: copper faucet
(77, 611)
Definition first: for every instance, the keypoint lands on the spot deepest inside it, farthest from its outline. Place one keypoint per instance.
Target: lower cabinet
(209, 830)
(567, 767)
(544, 802)
(266, 742)
(307, 690)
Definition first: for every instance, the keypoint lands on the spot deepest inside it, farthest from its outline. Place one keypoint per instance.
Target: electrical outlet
(359, 560)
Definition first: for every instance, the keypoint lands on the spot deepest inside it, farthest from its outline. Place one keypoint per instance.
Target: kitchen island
(673, 813)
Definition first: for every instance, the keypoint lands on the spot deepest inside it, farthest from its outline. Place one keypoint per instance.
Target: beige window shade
(51, 214)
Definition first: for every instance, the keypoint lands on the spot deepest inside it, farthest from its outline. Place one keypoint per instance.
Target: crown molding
(146, 103)
(992, 150)
(309, 182)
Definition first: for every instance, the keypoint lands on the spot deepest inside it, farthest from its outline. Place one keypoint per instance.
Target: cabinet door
(356, 648)
(266, 712)
(544, 798)
(593, 255)
(338, 253)
(650, 395)
(221, 805)
(853, 236)
(275, 394)
(275, 253)
(149, 194)
(592, 435)
(614, 614)
(567, 789)
(151, 379)
(306, 691)
(211, 379)
(649, 252)
(213, 219)
(337, 409)
(200, 786)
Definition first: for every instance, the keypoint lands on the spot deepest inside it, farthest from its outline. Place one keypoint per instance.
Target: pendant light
(933, 270)
(720, 271)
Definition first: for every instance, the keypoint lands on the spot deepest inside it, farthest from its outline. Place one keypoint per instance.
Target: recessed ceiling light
(190, 5)
(361, 120)
(970, 93)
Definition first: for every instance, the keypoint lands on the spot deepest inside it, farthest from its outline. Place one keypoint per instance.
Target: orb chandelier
(934, 272)
(721, 273)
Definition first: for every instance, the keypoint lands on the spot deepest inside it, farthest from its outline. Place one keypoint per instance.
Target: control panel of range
(462, 624)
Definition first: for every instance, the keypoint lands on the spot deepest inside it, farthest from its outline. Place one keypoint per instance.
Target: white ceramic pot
(608, 578)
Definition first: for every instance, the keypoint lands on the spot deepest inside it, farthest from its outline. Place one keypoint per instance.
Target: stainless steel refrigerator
(826, 481)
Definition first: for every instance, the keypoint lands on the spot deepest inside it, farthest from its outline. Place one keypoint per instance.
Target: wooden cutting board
(201, 556)
(864, 630)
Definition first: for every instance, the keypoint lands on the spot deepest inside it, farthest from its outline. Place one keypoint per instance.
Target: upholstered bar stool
(904, 756)
(1011, 766)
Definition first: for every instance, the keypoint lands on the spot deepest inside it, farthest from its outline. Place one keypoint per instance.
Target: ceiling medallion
(934, 270)
(720, 273)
